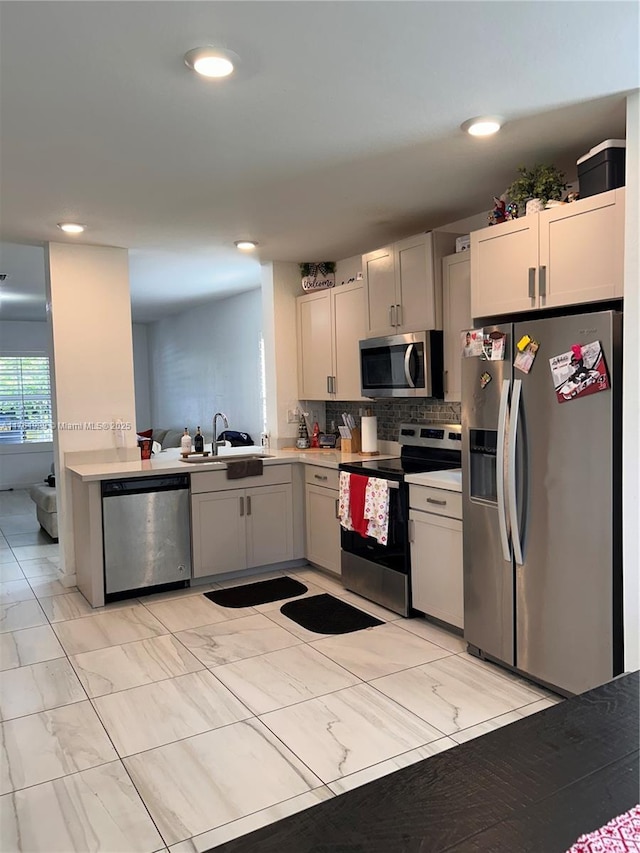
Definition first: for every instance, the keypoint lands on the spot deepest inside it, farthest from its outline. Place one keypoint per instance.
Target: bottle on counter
(315, 436)
(198, 441)
(185, 443)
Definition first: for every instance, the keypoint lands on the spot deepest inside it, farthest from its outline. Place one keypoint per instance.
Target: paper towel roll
(369, 434)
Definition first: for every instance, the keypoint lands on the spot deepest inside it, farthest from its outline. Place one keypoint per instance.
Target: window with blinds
(25, 400)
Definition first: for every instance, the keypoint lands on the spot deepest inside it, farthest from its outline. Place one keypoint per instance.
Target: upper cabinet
(330, 326)
(456, 316)
(403, 284)
(567, 255)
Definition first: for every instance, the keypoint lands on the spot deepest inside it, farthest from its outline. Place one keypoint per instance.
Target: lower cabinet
(235, 529)
(435, 520)
(322, 524)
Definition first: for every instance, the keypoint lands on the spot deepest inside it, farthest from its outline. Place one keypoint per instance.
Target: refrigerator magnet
(525, 357)
(494, 346)
(485, 379)
(579, 372)
(471, 342)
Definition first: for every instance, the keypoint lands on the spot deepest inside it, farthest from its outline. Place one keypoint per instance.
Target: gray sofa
(44, 497)
(167, 437)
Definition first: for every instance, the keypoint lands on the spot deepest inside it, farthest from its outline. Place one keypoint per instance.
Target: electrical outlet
(292, 416)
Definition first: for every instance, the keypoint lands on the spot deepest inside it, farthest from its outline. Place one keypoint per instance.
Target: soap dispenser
(185, 443)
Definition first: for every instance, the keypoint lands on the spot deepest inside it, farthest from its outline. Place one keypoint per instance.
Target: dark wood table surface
(534, 785)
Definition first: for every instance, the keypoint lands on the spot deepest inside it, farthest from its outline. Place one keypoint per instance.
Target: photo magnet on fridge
(526, 355)
(579, 372)
(493, 346)
(471, 342)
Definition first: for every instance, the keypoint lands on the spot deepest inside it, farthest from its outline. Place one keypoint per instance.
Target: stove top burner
(397, 469)
(425, 447)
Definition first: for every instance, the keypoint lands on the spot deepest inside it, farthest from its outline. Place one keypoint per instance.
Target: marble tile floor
(170, 723)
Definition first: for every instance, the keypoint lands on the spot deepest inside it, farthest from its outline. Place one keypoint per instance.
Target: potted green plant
(540, 184)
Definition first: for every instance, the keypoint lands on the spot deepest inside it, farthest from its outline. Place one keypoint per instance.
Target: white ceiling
(340, 131)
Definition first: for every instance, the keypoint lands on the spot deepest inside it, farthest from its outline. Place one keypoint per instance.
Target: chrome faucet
(214, 441)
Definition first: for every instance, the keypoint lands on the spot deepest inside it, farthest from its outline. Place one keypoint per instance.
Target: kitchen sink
(227, 457)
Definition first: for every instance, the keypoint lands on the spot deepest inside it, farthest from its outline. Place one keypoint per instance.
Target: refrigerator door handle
(407, 366)
(511, 472)
(502, 432)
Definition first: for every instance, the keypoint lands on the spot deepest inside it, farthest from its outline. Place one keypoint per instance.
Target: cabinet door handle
(328, 384)
(241, 507)
(333, 384)
(248, 506)
(399, 315)
(434, 501)
(446, 381)
(320, 477)
(392, 309)
(337, 507)
(532, 282)
(411, 531)
(543, 281)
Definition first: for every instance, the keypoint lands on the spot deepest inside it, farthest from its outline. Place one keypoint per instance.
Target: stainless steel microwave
(402, 365)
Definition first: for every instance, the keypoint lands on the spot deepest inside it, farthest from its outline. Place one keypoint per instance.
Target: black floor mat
(261, 592)
(325, 614)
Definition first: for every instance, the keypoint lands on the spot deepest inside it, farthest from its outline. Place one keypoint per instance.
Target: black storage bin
(604, 171)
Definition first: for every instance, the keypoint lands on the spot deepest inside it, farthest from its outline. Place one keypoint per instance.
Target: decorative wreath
(321, 268)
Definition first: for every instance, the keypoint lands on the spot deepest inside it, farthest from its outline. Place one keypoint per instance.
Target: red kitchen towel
(620, 835)
(357, 490)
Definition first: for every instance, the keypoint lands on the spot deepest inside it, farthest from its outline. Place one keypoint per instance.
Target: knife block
(353, 444)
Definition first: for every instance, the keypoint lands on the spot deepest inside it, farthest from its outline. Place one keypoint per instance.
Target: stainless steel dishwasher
(146, 533)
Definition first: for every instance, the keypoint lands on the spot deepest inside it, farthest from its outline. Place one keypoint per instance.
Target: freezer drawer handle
(502, 508)
(434, 501)
(532, 282)
(511, 468)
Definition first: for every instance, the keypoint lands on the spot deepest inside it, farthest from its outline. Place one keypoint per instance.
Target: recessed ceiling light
(211, 62)
(246, 245)
(482, 125)
(71, 227)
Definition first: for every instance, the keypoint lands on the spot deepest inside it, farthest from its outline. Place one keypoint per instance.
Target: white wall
(206, 360)
(24, 464)
(141, 376)
(90, 317)
(280, 287)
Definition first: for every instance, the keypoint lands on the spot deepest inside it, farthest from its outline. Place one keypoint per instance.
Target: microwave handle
(407, 366)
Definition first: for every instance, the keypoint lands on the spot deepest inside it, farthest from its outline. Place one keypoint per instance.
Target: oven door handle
(407, 366)
(392, 484)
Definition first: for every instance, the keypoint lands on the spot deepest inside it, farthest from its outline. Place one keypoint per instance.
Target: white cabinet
(403, 284)
(567, 255)
(322, 524)
(240, 528)
(435, 528)
(456, 316)
(330, 326)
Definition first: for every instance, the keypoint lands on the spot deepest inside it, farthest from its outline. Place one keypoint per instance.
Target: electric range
(382, 573)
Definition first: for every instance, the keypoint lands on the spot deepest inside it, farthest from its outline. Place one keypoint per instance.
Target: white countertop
(169, 462)
(450, 480)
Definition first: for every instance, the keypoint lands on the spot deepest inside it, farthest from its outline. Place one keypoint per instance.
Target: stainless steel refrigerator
(542, 521)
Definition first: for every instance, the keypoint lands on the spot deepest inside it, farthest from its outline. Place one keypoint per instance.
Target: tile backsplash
(395, 411)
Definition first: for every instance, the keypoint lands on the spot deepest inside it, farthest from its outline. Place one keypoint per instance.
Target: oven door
(381, 573)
